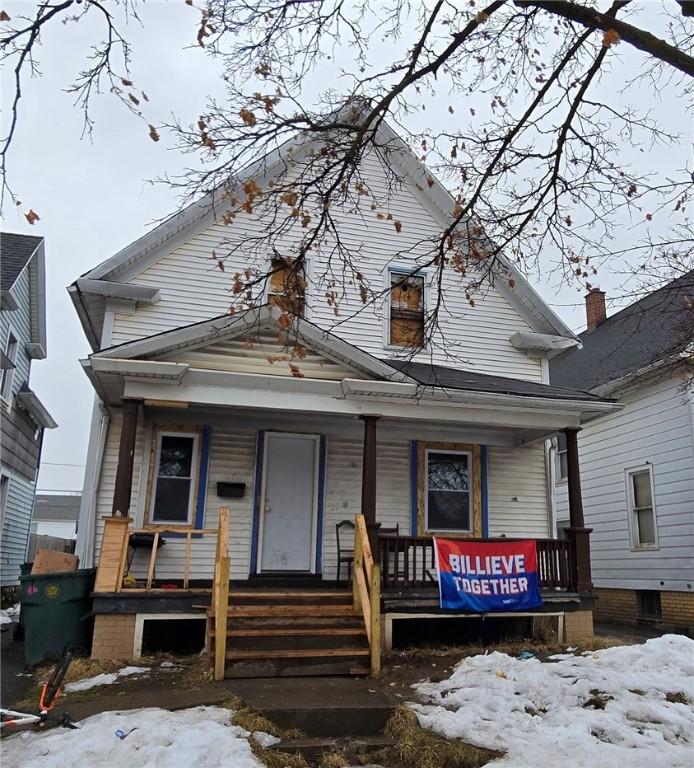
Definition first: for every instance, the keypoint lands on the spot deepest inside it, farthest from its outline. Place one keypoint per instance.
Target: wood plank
(364, 600)
(290, 611)
(299, 595)
(298, 632)
(186, 563)
(375, 633)
(152, 560)
(222, 602)
(301, 653)
(51, 561)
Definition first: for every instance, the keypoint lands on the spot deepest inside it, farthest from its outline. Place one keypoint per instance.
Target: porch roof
(363, 385)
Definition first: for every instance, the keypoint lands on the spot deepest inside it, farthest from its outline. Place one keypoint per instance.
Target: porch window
(641, 508)
(406, 321)
(448, 495)
(562, 463)
(175, 468)
(287, 286)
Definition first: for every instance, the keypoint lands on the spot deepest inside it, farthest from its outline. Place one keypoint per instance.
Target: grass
(417, 747)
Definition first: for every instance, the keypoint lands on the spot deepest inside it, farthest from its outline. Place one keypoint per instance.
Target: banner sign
(487, 576)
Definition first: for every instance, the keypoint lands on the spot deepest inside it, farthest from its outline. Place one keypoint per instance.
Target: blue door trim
(322, 466)
(259, 446)
(485, 490)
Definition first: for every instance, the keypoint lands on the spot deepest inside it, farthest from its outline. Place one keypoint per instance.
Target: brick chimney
(595, 308)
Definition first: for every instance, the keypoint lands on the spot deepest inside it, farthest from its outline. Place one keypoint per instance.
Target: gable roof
(163, 345)
(655, 329)
(15, 253)
(471, 381)
(197, 216)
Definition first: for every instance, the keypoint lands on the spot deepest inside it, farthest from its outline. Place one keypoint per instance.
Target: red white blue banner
(487, 576)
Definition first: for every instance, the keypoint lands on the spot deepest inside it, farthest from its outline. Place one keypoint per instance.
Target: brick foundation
(621, 606)
(114, 636)
(578, 627)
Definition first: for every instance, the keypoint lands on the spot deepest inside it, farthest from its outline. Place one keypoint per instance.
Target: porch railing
(408, 562)
(366, 591)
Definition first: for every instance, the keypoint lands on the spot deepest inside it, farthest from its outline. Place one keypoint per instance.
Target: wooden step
(294, 632)
(288, 611)
(300, 594)
(301, 653)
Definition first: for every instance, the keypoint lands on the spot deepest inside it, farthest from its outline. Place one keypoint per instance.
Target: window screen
(174, 479)
(448, 491)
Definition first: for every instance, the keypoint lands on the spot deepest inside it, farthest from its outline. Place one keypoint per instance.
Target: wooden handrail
(366, 591)
(220, 594)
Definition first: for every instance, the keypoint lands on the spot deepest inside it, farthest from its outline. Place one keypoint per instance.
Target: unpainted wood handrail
(366, 586)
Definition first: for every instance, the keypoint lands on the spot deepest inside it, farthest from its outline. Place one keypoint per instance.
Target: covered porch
(291, 457)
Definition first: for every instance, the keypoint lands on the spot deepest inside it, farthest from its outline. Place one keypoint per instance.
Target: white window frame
(405, 271)
(631, 509)
(4, 495)
(8, 373)
(194, 476)
(470, 491)
(559, 479)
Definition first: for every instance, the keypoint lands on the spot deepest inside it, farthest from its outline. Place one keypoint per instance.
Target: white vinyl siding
(518, 502)
(654, 429)
(517, 493)
(16, 523)
(192, 289)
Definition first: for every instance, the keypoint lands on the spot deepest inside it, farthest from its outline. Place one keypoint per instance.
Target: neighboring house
(637, 465)
(296, 430)
(56, 514)
(23, 417)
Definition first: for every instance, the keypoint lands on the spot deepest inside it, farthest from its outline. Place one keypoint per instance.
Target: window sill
(646, 548)
(387, 347)
(560, 483)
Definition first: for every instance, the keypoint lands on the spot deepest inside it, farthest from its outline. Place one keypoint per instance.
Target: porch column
(126, 454)
(580, 535)
(368, 482)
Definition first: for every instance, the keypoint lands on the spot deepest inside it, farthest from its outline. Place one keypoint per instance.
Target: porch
(197, 423)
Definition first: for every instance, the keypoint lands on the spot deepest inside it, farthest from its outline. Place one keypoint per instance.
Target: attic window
(406, 322)
(287, 286)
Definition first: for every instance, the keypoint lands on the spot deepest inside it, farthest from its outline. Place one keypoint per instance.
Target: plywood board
(50, 561)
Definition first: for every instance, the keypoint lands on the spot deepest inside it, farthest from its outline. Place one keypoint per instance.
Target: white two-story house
(299, 427)
(637, 465)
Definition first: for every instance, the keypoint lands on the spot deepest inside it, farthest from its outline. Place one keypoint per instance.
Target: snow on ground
(201, 737)
(544, 715)
(8, 615)
(107, 678)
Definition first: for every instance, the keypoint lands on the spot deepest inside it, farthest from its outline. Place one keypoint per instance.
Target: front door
(288, 503)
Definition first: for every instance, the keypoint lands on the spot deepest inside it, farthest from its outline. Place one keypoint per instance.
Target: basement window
(649, 605)
(287, 286)
(175, 468)
(406, 319)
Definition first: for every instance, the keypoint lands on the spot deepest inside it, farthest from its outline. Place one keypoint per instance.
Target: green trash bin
(56, 613)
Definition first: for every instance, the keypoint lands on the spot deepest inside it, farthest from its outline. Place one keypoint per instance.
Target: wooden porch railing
(220, 594)
(408, 562)
(366, 590)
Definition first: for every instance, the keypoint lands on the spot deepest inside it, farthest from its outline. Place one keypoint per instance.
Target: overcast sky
(93, 197)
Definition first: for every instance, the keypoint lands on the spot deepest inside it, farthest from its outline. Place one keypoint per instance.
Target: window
(562, 464)
(287, 286)
(448, 491)
(7, 373)
(642, 511)
(649, 605)
(174, 473)
(406, 321)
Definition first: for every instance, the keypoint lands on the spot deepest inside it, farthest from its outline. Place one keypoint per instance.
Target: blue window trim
(321, 502)
(201, 502)
(485, 491)
(414, 481)
(259, 447)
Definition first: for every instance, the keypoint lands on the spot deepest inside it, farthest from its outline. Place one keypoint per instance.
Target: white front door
(288, 503)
